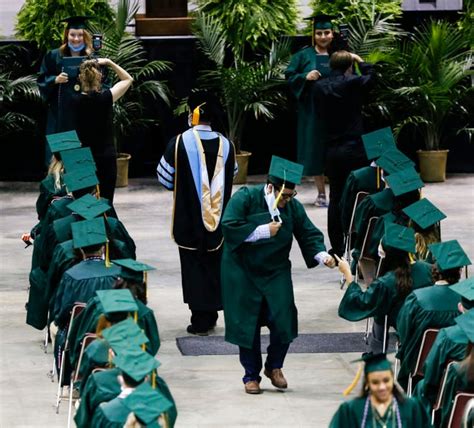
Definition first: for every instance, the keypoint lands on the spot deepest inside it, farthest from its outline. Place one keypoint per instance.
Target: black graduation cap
(77, 22)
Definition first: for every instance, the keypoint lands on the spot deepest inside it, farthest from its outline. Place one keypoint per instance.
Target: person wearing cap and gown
(431, 307)
(258, 225)
(381, 402)
(57, 81)
(198, 166)
(385, 295)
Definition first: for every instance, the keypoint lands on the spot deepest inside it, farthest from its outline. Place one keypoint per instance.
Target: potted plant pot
(122, 169)
(433, 165)
(242, 159)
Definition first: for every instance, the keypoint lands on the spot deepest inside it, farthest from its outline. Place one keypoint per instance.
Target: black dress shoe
(192, 330)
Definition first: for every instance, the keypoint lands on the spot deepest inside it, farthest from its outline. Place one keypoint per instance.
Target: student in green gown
(258, 225)
(385, 295)
(430, 307)
(381, 403)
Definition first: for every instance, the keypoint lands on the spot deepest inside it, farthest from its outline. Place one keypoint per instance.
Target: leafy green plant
(262, 21)
(243, 86)
(39, 20)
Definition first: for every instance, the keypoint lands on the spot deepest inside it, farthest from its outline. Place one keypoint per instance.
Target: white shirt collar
(202, 128)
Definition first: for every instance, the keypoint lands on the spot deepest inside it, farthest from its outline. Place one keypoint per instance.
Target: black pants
(342, 158)
(107, 175)
(203, 320)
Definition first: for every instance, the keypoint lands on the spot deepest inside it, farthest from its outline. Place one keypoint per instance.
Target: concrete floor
(207, 389)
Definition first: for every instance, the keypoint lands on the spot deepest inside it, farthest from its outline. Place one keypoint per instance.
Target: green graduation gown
(430, 307)
(381, 298)
(350, 415)
(311, 134)
(262, 270)
(48, 190)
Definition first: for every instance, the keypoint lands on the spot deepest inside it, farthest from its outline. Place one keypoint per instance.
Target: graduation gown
(350, 415)
(262, 270)
(430, 307)
(48, 191)
(381, 297)
(311, 135)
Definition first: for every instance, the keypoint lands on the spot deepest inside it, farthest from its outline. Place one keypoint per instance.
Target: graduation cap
(322, 21)
(133, 270)
(285, 171)
(88, 232)
(376, 142)
(80, 179)
(449, 255)
(63, 141)
(136, 363)
(112, 301)
(399, 237)
(78, 159)
(393, 160)
(466, 322)
(77, 22)
(147, 404)
(424, 213)
(124, 336)
(466, 290)
(89, 207)
(404, 181)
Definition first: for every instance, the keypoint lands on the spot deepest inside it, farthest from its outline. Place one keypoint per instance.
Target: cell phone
(344, 31)
(97, 42)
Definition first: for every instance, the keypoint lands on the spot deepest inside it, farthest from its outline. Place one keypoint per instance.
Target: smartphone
(344, 31)
(97, 42)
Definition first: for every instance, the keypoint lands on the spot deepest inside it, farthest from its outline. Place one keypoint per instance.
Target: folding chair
(460, 402)
(75, 311)
(429, 337)
(366, 263)
(86, 341)
(440, 395)
(468, 411)
(348, 244)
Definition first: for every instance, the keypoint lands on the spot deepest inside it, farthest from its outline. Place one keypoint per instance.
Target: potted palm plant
(432, 85)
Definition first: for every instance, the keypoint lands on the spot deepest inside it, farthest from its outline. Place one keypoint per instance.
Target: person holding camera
(94, 118)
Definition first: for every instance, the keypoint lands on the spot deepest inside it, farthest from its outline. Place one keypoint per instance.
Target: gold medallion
(77, 87)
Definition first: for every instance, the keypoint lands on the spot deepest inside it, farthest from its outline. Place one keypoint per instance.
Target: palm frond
(211, 38)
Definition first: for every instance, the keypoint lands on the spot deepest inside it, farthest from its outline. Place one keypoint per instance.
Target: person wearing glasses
(258, 226)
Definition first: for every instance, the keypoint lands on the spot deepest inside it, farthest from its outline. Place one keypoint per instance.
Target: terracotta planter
(433, 165)
(122, 169)
(243, 164)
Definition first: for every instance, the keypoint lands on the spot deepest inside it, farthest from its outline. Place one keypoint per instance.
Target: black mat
(304, 343)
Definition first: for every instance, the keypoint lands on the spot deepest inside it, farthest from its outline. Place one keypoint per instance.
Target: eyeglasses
(287, 196)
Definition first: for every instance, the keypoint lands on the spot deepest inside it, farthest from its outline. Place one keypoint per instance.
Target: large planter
(243, 165)
(122, 169)
(433, 165)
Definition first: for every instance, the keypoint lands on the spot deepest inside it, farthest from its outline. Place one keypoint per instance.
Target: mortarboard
(147, 404)
(77, 22)
(124, 335)
(404, 181)
(449, 255)
(466, 290)
(63, 141)
(399, 237)
(285, 170)
(89, 207)
(133, 269)
(322, 21)
(80, 179)
(80, 158)
(424, 213)
(88, 232)
(466, 322)
(136, 363)
(376, 142)
(112, 301)
(393, 160)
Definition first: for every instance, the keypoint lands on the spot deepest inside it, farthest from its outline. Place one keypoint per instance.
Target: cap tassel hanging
(97, 191)
(196, 115)
(412, 258)
(135, 317)
(153, 379)
(378, 178)
(277, 200)
(355, 381)
(107, 255)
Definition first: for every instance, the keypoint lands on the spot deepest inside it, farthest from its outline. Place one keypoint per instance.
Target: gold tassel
(378, 178)
(153, 379)
(107, 256)
(412, 258)
(97, 191)
(349, 389)
(135, 317)
(196, 115)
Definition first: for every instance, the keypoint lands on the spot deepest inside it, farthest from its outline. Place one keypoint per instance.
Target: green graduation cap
(376, 142)
(132, 269)
(77, 22)
(286, 170)
(374, 362)
(89, 207)
(399, 237)
(424, 213)
(124, 336)
(136, 363)
(78, 159)
(89, 232)
(63, 141)
(147, 404)
(449, 255)
(393, 160)
(112, 301)
(466, 290)
(80, 179)
(466, 322)
(322, 21)
(404, 181)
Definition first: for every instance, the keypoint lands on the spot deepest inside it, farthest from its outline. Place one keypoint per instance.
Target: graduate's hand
(344, 268)
(61, 78)
(313, 75)
(330, 262)
(26, 238)
(274, 227)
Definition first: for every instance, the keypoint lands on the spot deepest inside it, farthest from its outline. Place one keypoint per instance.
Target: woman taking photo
(94, 118)
(381, 403)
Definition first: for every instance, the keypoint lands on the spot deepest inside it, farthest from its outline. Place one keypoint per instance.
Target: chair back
(360, 196)
(429, 336)
(368, 236)
(75, 311)
(442, 385)
(460, 402)
(86, 341)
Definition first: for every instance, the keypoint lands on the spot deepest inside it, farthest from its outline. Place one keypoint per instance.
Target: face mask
(270, 200)
(76, 49)
(381, 251)
(190, 121)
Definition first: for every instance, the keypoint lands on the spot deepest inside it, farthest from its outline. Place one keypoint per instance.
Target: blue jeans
(251, 359)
